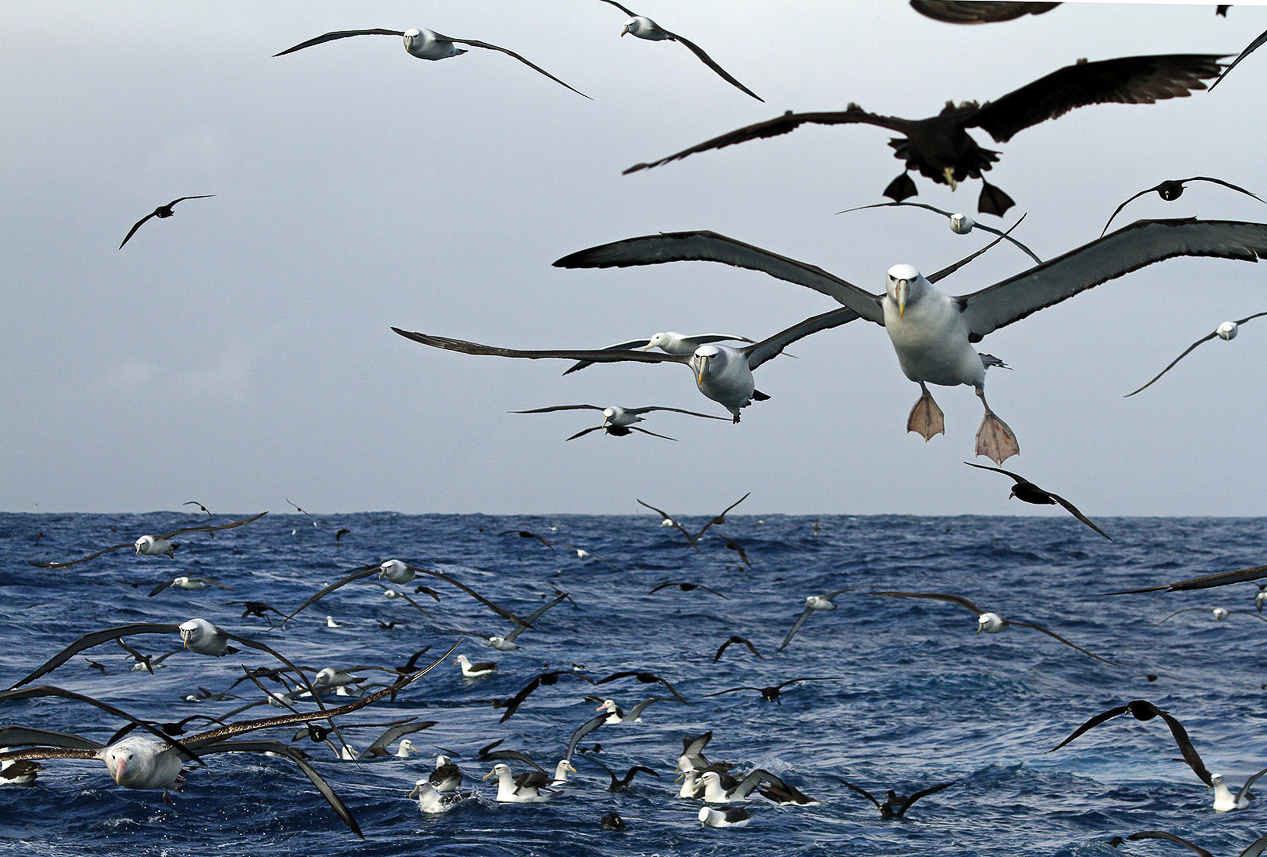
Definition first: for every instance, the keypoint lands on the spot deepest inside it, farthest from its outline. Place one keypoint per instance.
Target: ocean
(907, 696)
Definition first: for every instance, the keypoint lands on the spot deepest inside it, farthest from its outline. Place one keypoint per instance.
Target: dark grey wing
(620, 346)
(49, 690)
(1118, 210)
(901, 811)
(1123, 80)
(707, 246)
(935, 596)
(977, 12)
(1206, 581)
(789, 121)
(1244, 790)
(1170, 837)
(355, 574)
(478, 44)
(1170, 616)
(496, 608)
(1128, 249)
(1007, 237)
(1188, 350)
(210, 528)
(860, 790)
(1249, 49)
(16, 736)
(708, 61)
(767, 349)
(135, 227)
(955, 266)
(182, 199)
(1225, 184)
(1073, 510)
(676, 411)
(496, 755)
(81, 559)
(636, 711)
(598, 356)
(732, 690)
(534, 616)
(1189, 752)
(339, 34)
(512, 705)
(48, 753)
(665, 516)
(1014, 476)
(166, 584)
(1255, 848)
(96, 638)
(796, 626)
(624, 9)
(553, 408)
(581, 731)
(274, 748)
(1172, 363)
(1061, 639)
(1092, 723)
(888, 204)
(398, 731)
(653, 434)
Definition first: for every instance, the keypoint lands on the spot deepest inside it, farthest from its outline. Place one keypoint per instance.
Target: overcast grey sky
(240, 353)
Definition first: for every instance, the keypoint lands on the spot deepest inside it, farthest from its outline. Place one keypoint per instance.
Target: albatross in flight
(1028, 492)
(425, 45)
(1226, 331)
(960, 223)
(1172, 189)
(722, 373)
(618, 421)
(668, 341)
(644, 28)
(939, 146)
(162, 212)
(934, 333)
(151, 545)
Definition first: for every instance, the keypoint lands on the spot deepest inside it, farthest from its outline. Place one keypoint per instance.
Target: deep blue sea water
(919, 698)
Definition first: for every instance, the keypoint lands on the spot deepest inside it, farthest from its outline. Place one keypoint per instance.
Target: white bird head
(144, 543)
(1227, 330)
(905, 284)
(961, 224)
(608, 705)
(418, 786)
(499, 770)
(991, 623)
(180, 582)
(406, 747)
(1220, 613)
(396, 571)
(701, 360)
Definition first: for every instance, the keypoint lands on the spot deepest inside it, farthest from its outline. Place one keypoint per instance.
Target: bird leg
(926, 417)
(901, 188)
(994, 439)
(993, 200)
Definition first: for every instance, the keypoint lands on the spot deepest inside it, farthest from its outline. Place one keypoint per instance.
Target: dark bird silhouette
(199, 505)
(895, 805)
(1172, 189)
(692, 539)
(546, 679)
(340, 533)
(620, 784)
(685, 586)
(1226, 331)
(1254, 849)
(645, 678)
(772, 694)
(1143, 710)
(1249, 49)
(612, 821)
(1028, 492)
(735, 638)
(162, 211)
(581, 553)
(260, 609)
(940, 148)
(1205, 581)
(960, 224)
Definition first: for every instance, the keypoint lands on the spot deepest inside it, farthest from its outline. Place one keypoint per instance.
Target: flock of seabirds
(934, 336)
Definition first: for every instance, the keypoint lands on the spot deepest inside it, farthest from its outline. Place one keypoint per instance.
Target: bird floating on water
(164, 211)
(895, 805)
(731, 816)
(426, 45)
(645, 28)
(940, 148)
(1226, 331)
(933, 333)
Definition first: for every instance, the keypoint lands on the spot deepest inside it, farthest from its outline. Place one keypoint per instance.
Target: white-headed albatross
(934, 333)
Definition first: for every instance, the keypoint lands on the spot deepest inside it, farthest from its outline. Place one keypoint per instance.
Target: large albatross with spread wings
(933, 333)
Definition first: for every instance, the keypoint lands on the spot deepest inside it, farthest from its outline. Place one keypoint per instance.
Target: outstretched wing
(96, 638)
(906, 804)
(1061, 639)
(708, 61)
(212, 528)
(1128, 249)
(1123, 80)
(860, 790)
(339, 34)
(478, 44)
(132, 232)
(1188, 351)
(1092, 723)
(935, 596)
(1073, 510)
(594, 356)
(355, 574)
(1170, 837)
(1249, 49)
(796, 626)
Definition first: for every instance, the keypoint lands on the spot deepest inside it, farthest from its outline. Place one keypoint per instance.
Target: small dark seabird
(940, 148)
(1028, 492)
(735, 638)
(722, 373)
(1226, 331)
(425, 45)
(612, 821)
(774, 692)
(644, 28)
(618, 421)
(685, 586)
(161, 212)
(692, 539)
(620, 784)
(990, 623)
(895, 805)
(151, 545)
(935, 344)
(1172, 189)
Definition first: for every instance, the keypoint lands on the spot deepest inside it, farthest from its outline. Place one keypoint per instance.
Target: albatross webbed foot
(994, 439)
(926, 417)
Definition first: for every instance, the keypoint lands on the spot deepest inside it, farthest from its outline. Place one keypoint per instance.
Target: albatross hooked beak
(902, 289)
(699, 372)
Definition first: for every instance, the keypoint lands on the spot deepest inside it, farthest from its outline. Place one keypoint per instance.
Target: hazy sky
(240, 353)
